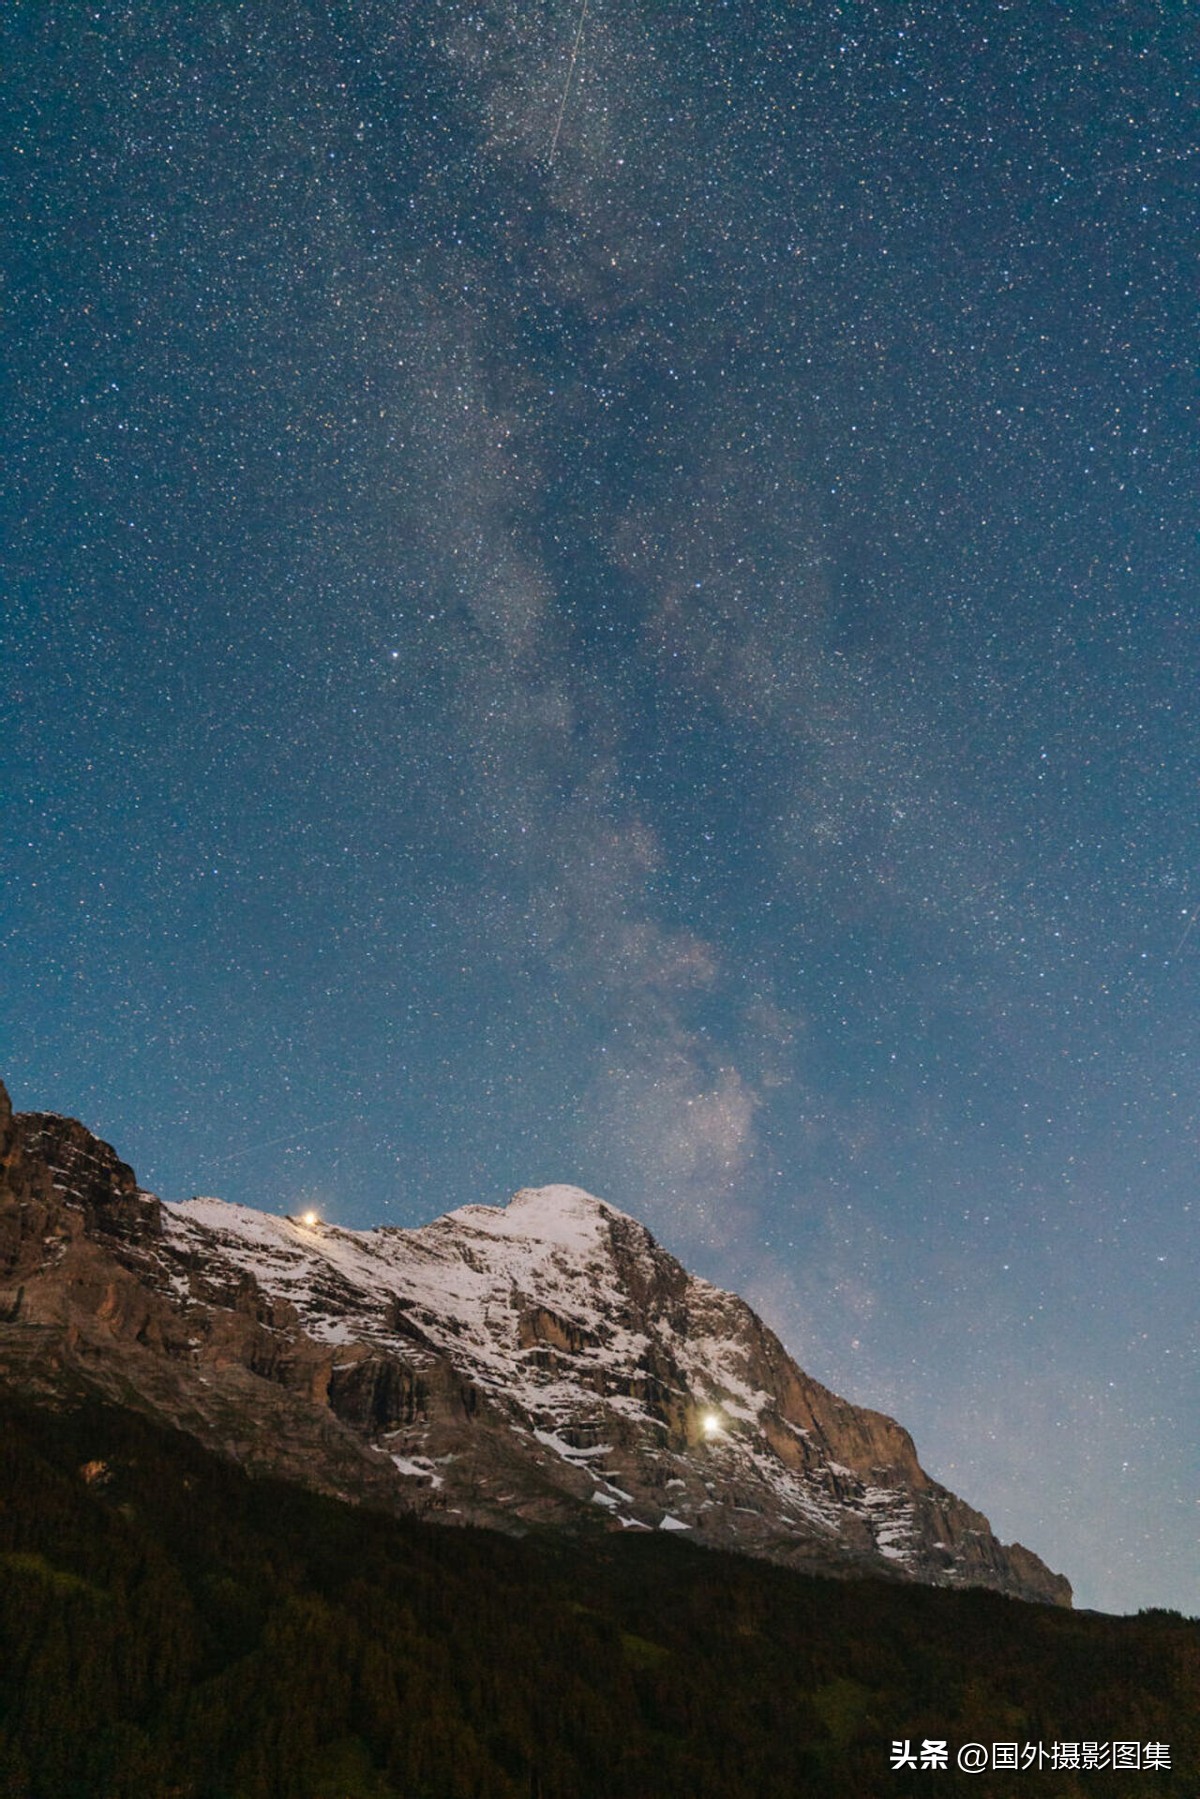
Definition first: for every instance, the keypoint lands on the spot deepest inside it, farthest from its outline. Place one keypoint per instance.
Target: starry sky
(609, 594)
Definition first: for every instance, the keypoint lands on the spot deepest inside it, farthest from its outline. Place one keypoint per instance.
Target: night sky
(664, 659)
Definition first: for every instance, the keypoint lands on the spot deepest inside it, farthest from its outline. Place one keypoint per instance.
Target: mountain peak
(560, 1214)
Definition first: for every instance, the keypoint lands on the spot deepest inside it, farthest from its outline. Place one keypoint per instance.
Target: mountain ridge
(540, 1364)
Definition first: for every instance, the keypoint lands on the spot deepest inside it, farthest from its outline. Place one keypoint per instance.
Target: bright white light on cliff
(710, 1424)
(310, 1218)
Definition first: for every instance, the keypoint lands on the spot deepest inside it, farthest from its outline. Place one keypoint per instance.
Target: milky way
(618, 605)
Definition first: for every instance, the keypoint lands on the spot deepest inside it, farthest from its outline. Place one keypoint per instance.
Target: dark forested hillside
(169, 1626)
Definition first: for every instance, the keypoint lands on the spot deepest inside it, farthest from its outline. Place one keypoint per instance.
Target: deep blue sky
(671, 666)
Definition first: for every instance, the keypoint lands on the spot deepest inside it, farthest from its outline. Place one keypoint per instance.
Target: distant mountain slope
(541, 1363)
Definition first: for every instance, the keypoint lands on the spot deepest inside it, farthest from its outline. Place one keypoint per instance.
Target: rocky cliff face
(541, 1363)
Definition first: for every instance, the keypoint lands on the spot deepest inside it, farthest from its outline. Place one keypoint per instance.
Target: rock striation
(541, 1364)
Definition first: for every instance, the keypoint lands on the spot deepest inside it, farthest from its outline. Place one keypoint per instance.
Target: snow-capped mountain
(543, 1363)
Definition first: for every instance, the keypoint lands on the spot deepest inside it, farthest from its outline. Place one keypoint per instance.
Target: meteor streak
(567, 86)
(1187, 931)
(271, 1143)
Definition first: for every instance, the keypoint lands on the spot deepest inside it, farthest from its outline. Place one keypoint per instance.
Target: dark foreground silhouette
(169, 1626)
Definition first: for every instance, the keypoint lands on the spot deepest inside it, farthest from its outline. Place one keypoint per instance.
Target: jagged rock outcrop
(545, 1362)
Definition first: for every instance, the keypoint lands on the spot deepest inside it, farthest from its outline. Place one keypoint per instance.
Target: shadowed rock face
(545, 1362)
